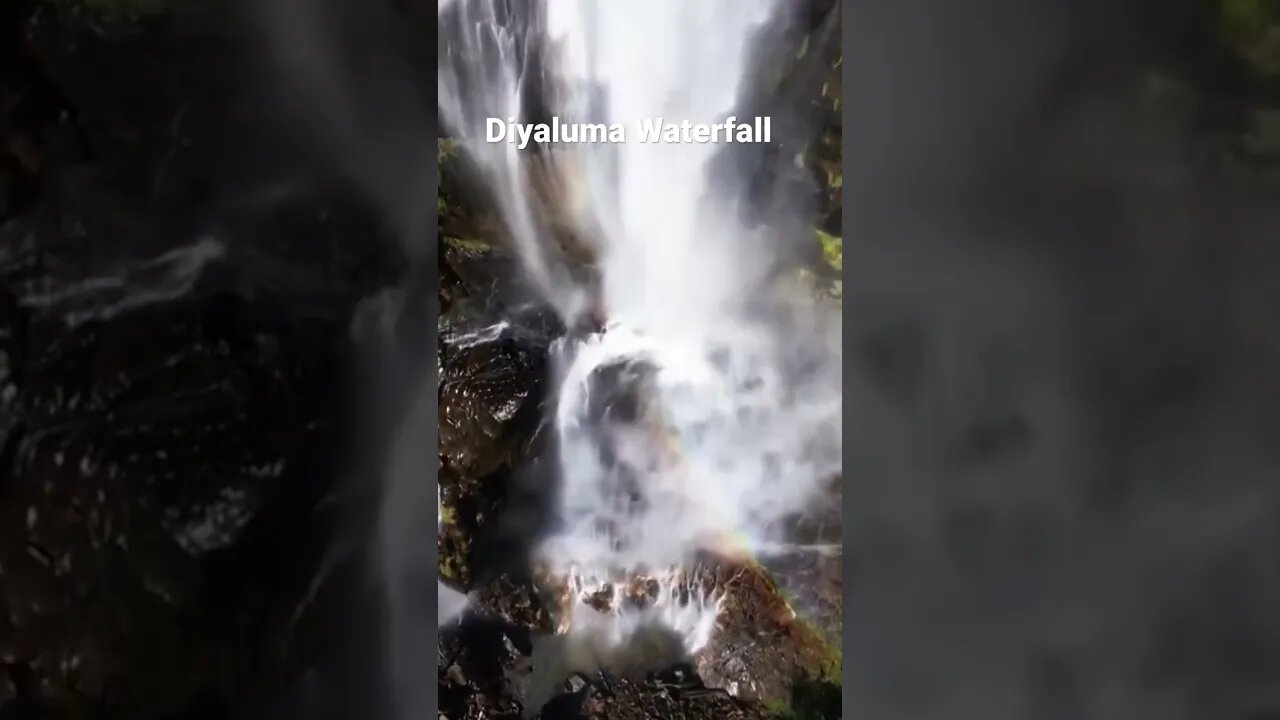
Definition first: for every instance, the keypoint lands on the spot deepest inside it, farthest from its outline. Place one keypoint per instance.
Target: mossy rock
(446, 153)
(832, 249)
(811, 699)
(448, 516)
(763, 650)
(446, 149)
(453, 541)
(468, 246)
(452, 560)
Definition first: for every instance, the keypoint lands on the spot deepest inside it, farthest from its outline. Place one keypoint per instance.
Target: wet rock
(478, 664)
(491, 385)
(761, 648)
(149, 445)
(809, 569)
(517, 604)
(489, 397)
(485, 286)
(493, 368)
(657, 697)
(483, 674)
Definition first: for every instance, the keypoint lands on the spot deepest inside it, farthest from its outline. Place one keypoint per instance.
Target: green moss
(452, 565)
(832, 249)
(833, 660)
(471, 245)
(446, 152)
(816, 696)
(446, 149)
(1252, 28)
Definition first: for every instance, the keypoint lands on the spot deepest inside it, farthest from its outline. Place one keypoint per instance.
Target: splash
(679, 446)
(706, 411)
(628, 626)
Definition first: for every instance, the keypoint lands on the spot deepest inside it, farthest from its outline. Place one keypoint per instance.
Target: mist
(1061, 468)
(353, 79)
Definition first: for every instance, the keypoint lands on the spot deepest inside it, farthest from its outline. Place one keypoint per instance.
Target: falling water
(488, 61)
(691, 421)
(153, 280)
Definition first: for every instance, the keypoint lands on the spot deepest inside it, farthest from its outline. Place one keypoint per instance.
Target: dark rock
(149, 445)
(491, 385)
(490, 393)
(477, 661)
(761, 649)
(619, 699)
(12, 365)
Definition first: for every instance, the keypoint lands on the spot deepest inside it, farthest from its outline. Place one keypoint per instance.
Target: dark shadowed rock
(676, 696)
(149, 445)
(490, 392)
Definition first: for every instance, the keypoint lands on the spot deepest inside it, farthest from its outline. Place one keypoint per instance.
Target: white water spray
(690, 421)
(485, 66)
(165, 277)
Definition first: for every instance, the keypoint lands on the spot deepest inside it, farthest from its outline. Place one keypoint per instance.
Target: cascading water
(158, 279)
(690, 422)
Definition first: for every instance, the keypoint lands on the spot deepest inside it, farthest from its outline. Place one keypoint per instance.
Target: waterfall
(701, 414)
